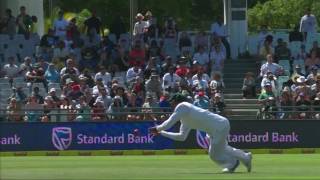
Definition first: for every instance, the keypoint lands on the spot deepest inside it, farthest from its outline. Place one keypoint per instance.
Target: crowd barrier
(124, 135)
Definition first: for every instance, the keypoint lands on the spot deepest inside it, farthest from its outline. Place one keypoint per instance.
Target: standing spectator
(217, 58)
(249, 85)
(73, 32)
(11, 70)
(60, 26)
(104, 75)
(308, 24)
(93, 24)
(140, 27)
(9, 22)
(219, 29)
(24, 22)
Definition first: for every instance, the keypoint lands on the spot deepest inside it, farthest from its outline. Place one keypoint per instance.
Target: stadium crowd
(67, 75)
(83, 76)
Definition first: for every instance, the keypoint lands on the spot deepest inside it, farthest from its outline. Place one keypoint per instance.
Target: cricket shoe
(248, 163)
(231, 170)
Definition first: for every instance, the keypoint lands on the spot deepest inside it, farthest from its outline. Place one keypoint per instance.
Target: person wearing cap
(153, 85)
(217, 128)
(217, 104)
(52, 93)
(266, 93)
(201, 100)
(104, 75)
(170, 79)
(297, 72)
(148, 105)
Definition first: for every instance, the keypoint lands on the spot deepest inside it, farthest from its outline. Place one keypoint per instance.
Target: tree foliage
(280, 14)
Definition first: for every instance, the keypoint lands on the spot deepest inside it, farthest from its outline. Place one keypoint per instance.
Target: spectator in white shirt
(70, 68)
(132, 73)
(104, 97)
(60, 26)
(308, 24)
(11, 70)
(104, 75)
(219, 29)
(201, 56)
(217, 58)
(270, 66)
(170, 79)
(139, 27)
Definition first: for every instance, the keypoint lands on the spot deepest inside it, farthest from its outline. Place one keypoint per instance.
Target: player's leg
(244, 157)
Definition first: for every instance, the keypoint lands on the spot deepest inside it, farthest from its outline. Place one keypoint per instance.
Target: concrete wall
(34, 7)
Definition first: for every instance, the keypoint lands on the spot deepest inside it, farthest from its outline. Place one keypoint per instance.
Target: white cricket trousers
(221, 153)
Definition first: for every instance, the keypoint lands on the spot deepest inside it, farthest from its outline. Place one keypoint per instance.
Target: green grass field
(197, 167)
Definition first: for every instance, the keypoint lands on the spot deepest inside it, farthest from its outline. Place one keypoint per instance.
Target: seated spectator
(182, 66)
(217, 83)
(170, 79)
(134, 104)
(151, 67)
(153, 85)
(201, 100)
(104, 75)
(267, 47)
(83, 110)
(312, 77)
(60, 51)
(104, 97)
(199, 81)
(99, 84)
(184, 41)
(316, 107)
(286, 103)
(138, 86)
(268, 103)
(67, 110)
(50, 113)
(75, 92)
(271, 79)
(302, 87)
(166, 65)
(33, 110)
(217, 58)
(99, 112)
(89, 58)
(154, 51)
(249, 85)
(53, 93)
(26, 65)
(295, 35)
(69, 71)
(297, 72)
(270, 66)
(311, 61)
(316, 48)
(132, 73)
(315, 88)
(19, 95)
(303, 106)
(202, 57)
(282, 52)
(147, 108)
(117, 107)
(52, 75)
(14, 111)
(217, 104)
(11, 70)
(36, 75)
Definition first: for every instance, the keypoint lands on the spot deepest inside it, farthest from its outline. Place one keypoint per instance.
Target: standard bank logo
(202, 139)
(61, 137)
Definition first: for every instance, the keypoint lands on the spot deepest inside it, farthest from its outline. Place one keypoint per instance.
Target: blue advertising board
(80, 136)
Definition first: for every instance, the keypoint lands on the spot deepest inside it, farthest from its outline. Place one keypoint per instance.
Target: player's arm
(174, 118)
(180, 136)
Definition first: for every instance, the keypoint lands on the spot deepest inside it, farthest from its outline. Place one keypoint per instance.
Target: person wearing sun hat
(217, 128)
(139, 27)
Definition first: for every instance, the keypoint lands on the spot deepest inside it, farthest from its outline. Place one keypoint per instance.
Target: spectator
(14, 111)
(267, 47)
(53, 94)
(104, 98)
(217, 58)
(75, 92)
(60, 51)
(302, 54)
(303, 106)
(47, 43)
(50, 110)
(270, 66)
(148, 106)
(36, 75)
(316, 48)
(166, 65)
(52, 75)
(93, 24)
(118, 27)
(316, 107)
(154, 51)
(170, 79)
(201, 100)
(104, 75)
(297, 72)
(11, 70)
(315, 88)
(217, 83)
(133, 106)
(66, 110)
(286, 103)
(33, 109)
(302, 87)
(83, 110)
(184, 41)
(137, 55)
(9, 22)
(60, 26)
(73, 32)
(24, 22)
(19, 95)
(295, 35)
(249, 85)
(308, 24)
(217, 104)
(282, 52)
(26, 65)
(117, 107)
(151, 67)
(164, 103)
(201, 39)
(262, 36)
(312, 77)
(99, 112)
(219, 29)
(132, 73)
(271, 79)
(69, 71)
(36, 94)
(268, 103)
(311, 61)
(99, 84)
(202, 57)
(140, 27)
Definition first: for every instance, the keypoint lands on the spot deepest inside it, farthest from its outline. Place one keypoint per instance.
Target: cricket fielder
(217, 128)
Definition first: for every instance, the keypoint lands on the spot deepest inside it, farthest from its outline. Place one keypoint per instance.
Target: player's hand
(153, 131)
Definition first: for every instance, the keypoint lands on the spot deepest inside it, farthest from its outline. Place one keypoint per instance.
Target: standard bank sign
(61, 137)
